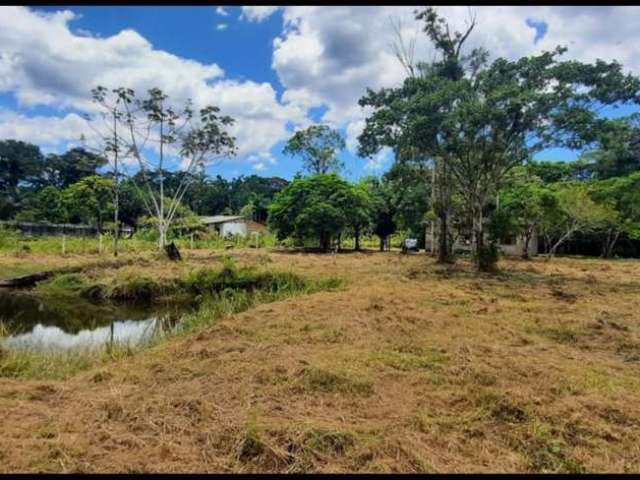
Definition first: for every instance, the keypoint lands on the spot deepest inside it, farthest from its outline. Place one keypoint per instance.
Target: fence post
(192, 241)
(64, 244)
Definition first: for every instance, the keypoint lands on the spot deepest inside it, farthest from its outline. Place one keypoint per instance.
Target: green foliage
(480, 119)
(61, 171)
(318, 145)
(50, 206)
(90, 200)
(20, 163)
(317, 207)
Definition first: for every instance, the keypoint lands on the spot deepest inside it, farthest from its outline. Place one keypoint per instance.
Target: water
(37, 323)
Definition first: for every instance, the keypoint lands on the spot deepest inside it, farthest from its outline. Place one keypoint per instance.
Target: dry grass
(411, 367)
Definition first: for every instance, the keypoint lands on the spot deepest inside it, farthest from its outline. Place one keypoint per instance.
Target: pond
(43, 324)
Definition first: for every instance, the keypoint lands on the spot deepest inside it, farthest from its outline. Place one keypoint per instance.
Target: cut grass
(223, 292)
(408, 368)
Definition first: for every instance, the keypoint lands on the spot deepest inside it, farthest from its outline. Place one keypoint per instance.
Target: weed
(318, 380)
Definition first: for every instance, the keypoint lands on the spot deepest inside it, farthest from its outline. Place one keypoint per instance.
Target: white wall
(233, 228)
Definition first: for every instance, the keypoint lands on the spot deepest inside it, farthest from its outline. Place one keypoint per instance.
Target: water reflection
(34, 323)
(128, 332)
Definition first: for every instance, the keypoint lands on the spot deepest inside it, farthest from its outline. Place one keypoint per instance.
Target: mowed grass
(409, 367)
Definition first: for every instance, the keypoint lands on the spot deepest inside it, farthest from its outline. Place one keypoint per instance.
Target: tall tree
(525, 200)
(70, 167)
(319, 146)
(316, 207)
(20, 165)
(577, 212)
(494, 117)
(152, 133)
(90, 200)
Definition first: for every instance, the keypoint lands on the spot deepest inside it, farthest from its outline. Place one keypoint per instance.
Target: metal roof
(221, 218)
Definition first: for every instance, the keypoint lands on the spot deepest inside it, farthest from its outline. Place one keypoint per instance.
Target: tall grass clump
(58, 364)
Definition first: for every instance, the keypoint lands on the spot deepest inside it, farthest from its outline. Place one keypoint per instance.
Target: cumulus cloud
(323, 57)
(261, 161)
(380, 161)
(48, 131)
(221, 26)
(222, 12)
(257, 13)
(43, 62)
(328, 56)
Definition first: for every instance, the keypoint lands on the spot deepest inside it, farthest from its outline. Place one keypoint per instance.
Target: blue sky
(273, 69)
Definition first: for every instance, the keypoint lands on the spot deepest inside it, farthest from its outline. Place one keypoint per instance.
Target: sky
(274, 69)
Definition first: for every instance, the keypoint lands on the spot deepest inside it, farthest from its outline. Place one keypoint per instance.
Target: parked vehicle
(410, 244)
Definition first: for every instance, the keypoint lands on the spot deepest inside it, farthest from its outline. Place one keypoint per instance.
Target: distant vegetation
(464, 131)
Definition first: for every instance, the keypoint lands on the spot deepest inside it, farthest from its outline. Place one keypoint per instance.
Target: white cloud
(44, 63)
(49, 131)
(330, 55)
(221, 26)
(380, 161)
(261, 161)
(257, 14)
(324, 56)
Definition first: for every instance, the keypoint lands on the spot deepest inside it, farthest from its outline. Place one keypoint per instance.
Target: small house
(229, 225)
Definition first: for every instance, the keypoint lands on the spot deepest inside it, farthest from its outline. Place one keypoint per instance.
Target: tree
(359, 211)
(382, 210)
(577, 211)
(90, 200)
(622, 194)
(318, 145)
(50, 206)
(525, 201)
(410, 187)
(315, 207)
(63, 170)
(483, 121)
(617, 150)
(20, 164)
(248, 211)
(152, 133)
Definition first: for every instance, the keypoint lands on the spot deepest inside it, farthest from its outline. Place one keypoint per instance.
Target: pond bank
(76, 320)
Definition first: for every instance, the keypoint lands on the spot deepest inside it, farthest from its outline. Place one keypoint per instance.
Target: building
(229, 225)
(513, 246)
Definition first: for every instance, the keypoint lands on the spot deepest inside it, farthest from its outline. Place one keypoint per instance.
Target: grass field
(408, 367)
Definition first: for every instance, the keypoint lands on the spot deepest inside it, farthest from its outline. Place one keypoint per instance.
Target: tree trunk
(609, 243)
(443, 244)
(325, 240)
(357, 234)
(484, 256)
(116, 200)
(478, 240)
(563, 239)
(525, 247)
(162, 240)
(381, 243)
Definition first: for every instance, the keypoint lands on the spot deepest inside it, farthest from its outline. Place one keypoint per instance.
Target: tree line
(77, 187)
(464, 131)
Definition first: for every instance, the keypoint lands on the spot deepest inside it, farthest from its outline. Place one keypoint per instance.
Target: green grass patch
(221, 292)
(319, 380)
(55, 364)
(416, 359)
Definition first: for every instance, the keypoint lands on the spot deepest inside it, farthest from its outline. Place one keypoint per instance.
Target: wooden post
(64, 244)
(191, 240)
